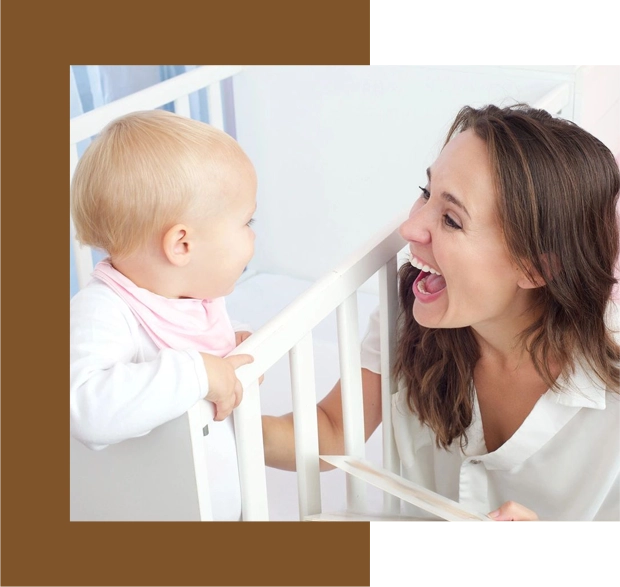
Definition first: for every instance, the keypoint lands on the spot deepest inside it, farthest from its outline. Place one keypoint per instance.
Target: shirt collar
(581, 389)
(551, 413)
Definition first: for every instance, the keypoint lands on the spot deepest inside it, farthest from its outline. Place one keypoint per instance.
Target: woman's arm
(278, 433)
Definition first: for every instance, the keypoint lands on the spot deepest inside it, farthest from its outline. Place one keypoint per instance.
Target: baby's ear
(175, 244)
(532, 278)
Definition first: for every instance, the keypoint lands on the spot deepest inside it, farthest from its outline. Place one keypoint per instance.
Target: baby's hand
(240, 336)
(225, 390)
(513, 512)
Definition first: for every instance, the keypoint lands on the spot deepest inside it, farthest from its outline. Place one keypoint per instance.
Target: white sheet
(258, 298)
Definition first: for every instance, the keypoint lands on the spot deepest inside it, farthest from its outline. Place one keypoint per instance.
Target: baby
(171, 201)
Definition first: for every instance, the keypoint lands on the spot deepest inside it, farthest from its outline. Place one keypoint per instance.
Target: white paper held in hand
(404, 489)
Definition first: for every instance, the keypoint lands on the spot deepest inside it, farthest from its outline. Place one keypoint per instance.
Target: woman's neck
(502, 342)
(503, 347)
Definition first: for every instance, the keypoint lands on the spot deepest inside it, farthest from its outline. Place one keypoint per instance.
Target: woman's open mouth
(429, 284)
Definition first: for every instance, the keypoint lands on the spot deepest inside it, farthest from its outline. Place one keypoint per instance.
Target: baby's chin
(223, 292)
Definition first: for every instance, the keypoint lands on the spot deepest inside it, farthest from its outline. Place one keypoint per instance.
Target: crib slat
(388, 308)
(197, 416)
(181, 106)
(306, 432)
(73, 161)
(249, 437)
(352, 399)
(216, 109)
(83, 255)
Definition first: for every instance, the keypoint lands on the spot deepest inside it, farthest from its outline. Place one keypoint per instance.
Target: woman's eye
(251, 221)
(448, 221)
(451, 223)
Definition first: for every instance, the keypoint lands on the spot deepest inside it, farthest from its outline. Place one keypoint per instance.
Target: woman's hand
(240, 336)
(513, 512)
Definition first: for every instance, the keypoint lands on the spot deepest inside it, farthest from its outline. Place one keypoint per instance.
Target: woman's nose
(416, 227)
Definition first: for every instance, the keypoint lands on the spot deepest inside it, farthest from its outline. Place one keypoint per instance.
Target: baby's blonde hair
(142, 173)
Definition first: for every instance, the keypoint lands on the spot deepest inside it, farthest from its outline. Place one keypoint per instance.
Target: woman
(508, 349)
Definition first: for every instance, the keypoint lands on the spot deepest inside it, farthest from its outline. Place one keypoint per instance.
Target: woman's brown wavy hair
(557, 189)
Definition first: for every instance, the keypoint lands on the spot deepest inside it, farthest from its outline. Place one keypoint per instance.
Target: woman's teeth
(417, 263)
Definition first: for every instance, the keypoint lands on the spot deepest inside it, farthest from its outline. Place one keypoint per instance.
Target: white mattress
(258, 298)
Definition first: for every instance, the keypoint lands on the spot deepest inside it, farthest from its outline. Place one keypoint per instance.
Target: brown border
(270, 32)
(218, 553)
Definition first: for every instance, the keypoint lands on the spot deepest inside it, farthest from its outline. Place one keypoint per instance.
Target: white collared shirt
(563, 462)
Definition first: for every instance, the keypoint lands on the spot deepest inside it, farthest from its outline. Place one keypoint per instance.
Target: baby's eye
(251, 221)
(425, 193)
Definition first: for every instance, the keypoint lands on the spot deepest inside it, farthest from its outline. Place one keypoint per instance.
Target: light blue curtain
(92, 86)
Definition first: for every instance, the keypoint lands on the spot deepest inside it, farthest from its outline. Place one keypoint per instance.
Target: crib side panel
(150, 478)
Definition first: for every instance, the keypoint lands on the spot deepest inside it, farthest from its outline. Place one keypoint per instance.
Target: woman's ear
(176, 245)
(532, 278)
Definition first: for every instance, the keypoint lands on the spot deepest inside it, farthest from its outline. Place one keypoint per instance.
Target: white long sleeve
(122, 386)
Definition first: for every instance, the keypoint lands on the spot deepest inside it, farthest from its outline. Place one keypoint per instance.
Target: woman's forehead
(464, 168)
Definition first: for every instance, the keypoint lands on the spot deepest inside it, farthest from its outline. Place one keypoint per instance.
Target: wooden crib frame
(288, 332)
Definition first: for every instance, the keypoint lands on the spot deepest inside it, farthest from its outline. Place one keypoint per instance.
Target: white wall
(340, 151)
(597, 103)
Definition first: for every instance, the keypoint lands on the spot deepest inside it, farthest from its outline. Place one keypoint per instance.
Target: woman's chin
(427, 317)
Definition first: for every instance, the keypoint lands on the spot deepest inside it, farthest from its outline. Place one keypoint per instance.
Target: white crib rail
(289, 332)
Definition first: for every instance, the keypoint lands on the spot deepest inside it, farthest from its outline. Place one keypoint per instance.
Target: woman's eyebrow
(449, 197)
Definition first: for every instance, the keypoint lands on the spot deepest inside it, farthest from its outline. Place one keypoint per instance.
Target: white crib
(163, 476)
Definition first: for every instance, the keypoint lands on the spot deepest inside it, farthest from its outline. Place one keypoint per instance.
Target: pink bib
(179, 324)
